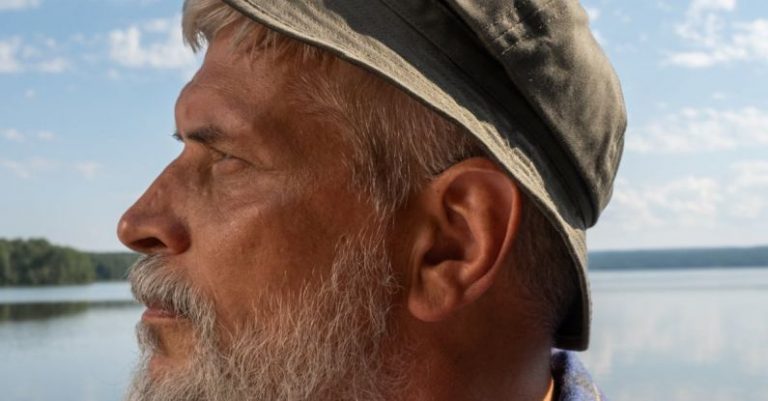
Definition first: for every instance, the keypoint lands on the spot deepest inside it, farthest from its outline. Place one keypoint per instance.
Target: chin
(166, 347)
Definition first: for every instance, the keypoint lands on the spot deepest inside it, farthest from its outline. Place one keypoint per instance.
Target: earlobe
(469, 216)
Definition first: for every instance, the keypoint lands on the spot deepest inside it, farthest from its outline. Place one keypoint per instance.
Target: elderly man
(377, 200)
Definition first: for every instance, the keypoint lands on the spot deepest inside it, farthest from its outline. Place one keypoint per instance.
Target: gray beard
(330, 342)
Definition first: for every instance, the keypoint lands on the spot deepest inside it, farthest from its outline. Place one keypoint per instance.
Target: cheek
(256, 252)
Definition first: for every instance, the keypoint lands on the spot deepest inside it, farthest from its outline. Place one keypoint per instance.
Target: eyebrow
(208, 135)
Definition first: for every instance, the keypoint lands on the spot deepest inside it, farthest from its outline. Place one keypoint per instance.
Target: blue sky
(87, 89)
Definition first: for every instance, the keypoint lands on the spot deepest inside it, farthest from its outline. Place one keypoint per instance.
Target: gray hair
(399, 145)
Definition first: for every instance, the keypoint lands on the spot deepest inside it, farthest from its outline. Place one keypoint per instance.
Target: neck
(506, 369)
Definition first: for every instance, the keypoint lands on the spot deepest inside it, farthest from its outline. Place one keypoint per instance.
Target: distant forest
(38, 262)
(680, 258)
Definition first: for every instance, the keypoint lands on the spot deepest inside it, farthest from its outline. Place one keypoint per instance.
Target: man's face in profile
(268, 276)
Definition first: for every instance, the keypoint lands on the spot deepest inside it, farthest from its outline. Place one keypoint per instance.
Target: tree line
(31, 262)
(38, 262)
(680, 258)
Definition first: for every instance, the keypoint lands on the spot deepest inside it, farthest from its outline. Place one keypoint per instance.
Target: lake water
(657, 335)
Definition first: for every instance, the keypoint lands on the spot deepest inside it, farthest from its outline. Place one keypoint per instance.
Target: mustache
(154, 283)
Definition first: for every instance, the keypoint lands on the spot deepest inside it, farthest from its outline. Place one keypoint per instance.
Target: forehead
(247, 86)
(250, 97)
(270, 108)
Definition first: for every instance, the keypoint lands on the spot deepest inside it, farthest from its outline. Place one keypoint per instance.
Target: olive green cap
(525, 77)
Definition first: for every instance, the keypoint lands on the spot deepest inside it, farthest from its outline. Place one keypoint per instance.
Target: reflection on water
(18, 312)
(681, 335)
(656, 335)
(42, 311)
(99, 292)
(79, 350)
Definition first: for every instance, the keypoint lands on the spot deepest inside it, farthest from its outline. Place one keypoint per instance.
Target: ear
(468, 218)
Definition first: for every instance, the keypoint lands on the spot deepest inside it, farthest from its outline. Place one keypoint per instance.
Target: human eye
(226, 163)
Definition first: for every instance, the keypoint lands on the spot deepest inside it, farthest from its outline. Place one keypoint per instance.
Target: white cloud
(750, 174)
(30, 94)
(690, 197)
(711, 39)
(748, 206)
(18, 56)
(16, 168)
(27, 168)
(592, 12)
(162, 25)
(88, 169)
(692, 202)
(700, 6)
(18, 4)
(692, 59)
(54, 66)
(621, 16)
(705, 129)
(749, 189)
(664, 6)
(114, 74)
(9, 61)
(155, 44)
(133, 2)
(46, 136)
(32, 167)
(689, 201)
(13, 135)
(629, 209)
(599, 37)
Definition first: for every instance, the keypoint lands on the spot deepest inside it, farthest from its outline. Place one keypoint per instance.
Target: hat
(525, 77)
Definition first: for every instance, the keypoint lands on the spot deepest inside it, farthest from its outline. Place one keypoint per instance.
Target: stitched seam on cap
(592, 203)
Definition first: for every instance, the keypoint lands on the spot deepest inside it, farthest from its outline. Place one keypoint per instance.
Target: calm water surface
(681, 335)
(675, 335)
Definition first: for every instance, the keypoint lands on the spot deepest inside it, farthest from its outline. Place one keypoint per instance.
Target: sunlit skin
(255, 201)
(259, 196)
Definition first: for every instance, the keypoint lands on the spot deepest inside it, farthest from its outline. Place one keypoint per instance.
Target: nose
(152, 225)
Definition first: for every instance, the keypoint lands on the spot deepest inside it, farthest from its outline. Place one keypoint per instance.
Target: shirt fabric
(572, 380)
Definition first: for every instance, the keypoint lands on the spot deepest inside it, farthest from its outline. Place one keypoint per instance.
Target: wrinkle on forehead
(250, 88)
(259, 95)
